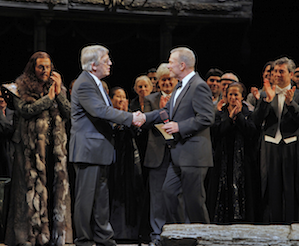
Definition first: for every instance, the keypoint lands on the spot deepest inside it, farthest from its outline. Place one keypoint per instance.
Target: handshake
(138, 118)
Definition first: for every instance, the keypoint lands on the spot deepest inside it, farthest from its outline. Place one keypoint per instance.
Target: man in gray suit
(191, 114)
(157, 153)
(91, 147)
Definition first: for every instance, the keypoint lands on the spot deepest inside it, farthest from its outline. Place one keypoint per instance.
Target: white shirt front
(185, 80)
(281, 99)
(100, 85)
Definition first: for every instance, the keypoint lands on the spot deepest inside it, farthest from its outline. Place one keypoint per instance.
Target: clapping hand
(51, 92)
(57, 82)
(270, 91)
(125, 105)
(237, 109)
(220, 104)
(255, 92)
(289, 95)
(138, 118)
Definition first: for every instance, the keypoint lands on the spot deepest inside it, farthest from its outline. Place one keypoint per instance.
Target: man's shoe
(155, 242)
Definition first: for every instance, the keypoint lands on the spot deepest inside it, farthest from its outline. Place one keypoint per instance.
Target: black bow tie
(179, 84)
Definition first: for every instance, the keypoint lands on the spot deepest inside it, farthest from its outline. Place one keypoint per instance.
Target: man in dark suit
(191, 114)
(91, 147)
(157, 153)
(278, 113)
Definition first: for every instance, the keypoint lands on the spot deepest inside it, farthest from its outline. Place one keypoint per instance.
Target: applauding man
(278, 112)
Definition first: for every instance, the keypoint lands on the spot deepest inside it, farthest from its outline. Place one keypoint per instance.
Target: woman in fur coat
(40, 211)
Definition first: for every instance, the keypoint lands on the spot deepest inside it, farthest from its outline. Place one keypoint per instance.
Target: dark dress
(141, 138)
(141, 141)
(125, 186)
(233, 183)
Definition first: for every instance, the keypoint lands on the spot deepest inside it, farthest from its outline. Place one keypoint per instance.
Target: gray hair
(289, 62)
(143, 78)
(92, 54)
(162, 70)
(235, 77)
(185, 55)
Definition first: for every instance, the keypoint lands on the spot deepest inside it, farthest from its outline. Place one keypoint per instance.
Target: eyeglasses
(106, 62)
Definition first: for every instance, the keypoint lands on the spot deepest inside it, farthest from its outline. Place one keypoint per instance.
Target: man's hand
(171, 127)
(289, 95)
(138, 118)
(51, 93)
(255, 93)
(57, 80)
(270, 91)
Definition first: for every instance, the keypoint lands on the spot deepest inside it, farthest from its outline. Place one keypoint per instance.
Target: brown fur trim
(35, 137)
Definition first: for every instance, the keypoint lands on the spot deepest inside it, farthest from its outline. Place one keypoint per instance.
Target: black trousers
(91, 210)
(281, 198)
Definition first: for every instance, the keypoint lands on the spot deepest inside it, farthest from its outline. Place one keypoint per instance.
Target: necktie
(105, 95)
(164, 100)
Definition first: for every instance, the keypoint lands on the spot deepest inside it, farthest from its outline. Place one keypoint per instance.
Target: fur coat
(40, 195)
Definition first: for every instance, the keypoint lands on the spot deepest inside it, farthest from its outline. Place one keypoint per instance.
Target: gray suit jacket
(156, 144)
(91, 133)
(194, 114)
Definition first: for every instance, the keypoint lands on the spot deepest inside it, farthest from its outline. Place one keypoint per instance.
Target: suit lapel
(171, 101)
(98, 89)
(180, 97)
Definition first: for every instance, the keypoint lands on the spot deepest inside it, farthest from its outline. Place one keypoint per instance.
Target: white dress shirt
(281, 99)
(100, 85)
(185, 80)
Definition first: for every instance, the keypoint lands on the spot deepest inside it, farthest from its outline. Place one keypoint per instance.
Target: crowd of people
(93, 167)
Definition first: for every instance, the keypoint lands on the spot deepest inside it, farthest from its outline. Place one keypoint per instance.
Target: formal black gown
(233, 187)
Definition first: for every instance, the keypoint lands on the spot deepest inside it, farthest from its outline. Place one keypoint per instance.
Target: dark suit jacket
(156, 144)
(194, 114)
(266, 112)
(91, 133)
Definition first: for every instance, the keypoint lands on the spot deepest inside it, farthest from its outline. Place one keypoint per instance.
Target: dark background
(242, 47)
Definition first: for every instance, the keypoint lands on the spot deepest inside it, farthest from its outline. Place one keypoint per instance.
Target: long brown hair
(28, 82)
(30, 67)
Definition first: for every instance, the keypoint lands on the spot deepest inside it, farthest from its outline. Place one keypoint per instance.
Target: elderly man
(191, 114)
(91, 147)
(278, 112)
(157, 154)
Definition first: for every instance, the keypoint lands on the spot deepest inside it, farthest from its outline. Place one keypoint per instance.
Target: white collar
(164, 94)
(186, 79)
(279, 90)
(96, 79)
